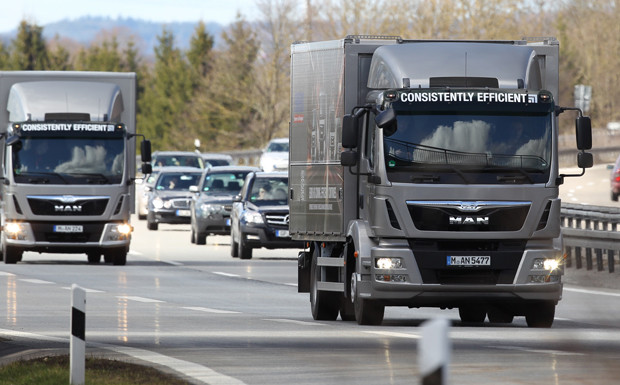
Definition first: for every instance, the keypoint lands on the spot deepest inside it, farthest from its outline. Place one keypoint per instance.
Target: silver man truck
(425, 174)
(68, 153)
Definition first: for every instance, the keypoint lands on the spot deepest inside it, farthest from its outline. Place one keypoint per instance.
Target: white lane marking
(138, 299)
(393, 334)
(86, 289)
(4, 273)
(290, 284)
(173, 263)
(588, 291)
(540, 351)
(210, 310)
(189, 369)
(291, 321)
(37, 281)
(226, 274)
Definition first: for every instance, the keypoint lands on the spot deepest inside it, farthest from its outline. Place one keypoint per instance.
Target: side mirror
(193, 189)
(350, 131)
(348, 158)
(387, 120)
(237, 198)
(145, 150)
(585, 160)
(147, 168)
(583, 131)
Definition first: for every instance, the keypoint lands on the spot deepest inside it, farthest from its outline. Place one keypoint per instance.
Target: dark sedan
(260, 215)
(169, 200)
(212, 201)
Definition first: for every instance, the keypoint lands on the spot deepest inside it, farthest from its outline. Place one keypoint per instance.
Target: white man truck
(425, 174)
(68, 153)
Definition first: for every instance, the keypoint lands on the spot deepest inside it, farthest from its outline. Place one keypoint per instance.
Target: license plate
(183, 213)
(68, 228)
(469, 260)
(282, 233)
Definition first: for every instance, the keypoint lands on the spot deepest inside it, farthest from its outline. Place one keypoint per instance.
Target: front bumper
(408, 286)
(268, 237)
(67, 237)
(213, 224)
(172, 216)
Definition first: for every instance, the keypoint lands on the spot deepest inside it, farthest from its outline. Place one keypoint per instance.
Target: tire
(201, 239)
(347, 310)
(93, 258)
(193, 237)
(152, 225)
(500, 315)
(324, 305)
(244, 252)
(367, 312)
(117, 256)
(12, 254)
(234, 249)
(540, 315)
(472, 314)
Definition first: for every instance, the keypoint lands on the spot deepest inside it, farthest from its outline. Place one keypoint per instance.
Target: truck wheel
(474, 314)
(540, 315)
(201, 238)
(93, 257)
(11, 254)
(117, 256)
(324, 304)
(347, 310)
(244, 251)
(367, 312)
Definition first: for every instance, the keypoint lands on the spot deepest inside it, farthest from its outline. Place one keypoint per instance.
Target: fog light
(391, 277)
(543, 278)
(388, 263)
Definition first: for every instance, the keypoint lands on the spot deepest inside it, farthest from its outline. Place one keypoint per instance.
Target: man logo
(67, 208)
(469, 220)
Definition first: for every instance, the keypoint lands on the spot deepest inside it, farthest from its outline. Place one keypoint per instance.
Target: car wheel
(614, 197)
(193, 236)
(201, 238)
(244, 252)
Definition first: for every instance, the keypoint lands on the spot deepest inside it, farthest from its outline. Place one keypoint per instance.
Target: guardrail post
(588, 258)
(568, 260)
(77, 360)
(578, 257)
(610, 261)
(599, 259)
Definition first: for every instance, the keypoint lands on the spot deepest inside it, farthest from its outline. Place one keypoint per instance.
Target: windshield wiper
(98, 178)
(514, 178)
(41, 179)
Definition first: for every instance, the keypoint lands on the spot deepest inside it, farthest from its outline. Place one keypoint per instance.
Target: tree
(163, 107)
(199, 53)
(29, 51)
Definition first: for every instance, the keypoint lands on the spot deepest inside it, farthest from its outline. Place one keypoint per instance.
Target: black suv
(260, 215)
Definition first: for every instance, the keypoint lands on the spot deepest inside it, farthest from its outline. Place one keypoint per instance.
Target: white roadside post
(77, 360)
(434, 352)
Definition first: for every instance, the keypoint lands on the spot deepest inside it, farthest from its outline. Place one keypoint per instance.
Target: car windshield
(224, 183)
(177, 160)
(177, 181)
(277, 147)
(269, 191)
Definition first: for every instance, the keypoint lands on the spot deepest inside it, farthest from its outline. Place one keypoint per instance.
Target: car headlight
(252, 217)
(158, 203)
(208, 209)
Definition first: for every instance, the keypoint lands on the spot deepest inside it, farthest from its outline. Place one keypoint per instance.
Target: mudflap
(304, 260)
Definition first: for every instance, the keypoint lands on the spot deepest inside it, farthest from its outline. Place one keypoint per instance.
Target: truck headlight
(14, 230)
(548, 264)
(388, 263)
(120, 232)
(252, 217)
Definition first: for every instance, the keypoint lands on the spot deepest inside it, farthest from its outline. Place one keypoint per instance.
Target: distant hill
(85, 29)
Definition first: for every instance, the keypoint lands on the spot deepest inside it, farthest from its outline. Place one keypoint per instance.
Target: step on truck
(68, 150)
(425, 174)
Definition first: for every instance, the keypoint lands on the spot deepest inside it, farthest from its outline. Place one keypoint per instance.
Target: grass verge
(54, 370)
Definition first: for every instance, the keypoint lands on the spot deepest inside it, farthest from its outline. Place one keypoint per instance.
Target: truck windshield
(54, 160)
(469, 148)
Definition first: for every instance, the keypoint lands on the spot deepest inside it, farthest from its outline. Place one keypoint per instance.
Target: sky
(42, 12)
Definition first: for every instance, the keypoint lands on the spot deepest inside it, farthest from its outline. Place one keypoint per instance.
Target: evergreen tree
(29, 51)
(4, 57)
(199, 53)
(164, 103)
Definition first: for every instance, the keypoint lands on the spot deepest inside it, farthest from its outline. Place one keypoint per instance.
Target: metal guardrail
(593, 229)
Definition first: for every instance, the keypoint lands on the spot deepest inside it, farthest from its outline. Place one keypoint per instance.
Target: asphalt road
(217, 320)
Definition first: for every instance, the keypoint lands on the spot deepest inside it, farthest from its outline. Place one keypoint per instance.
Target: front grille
(442, 218)
(180, 203)
(277, 219)
(44, 232)
(61, 206)
(431, 258)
